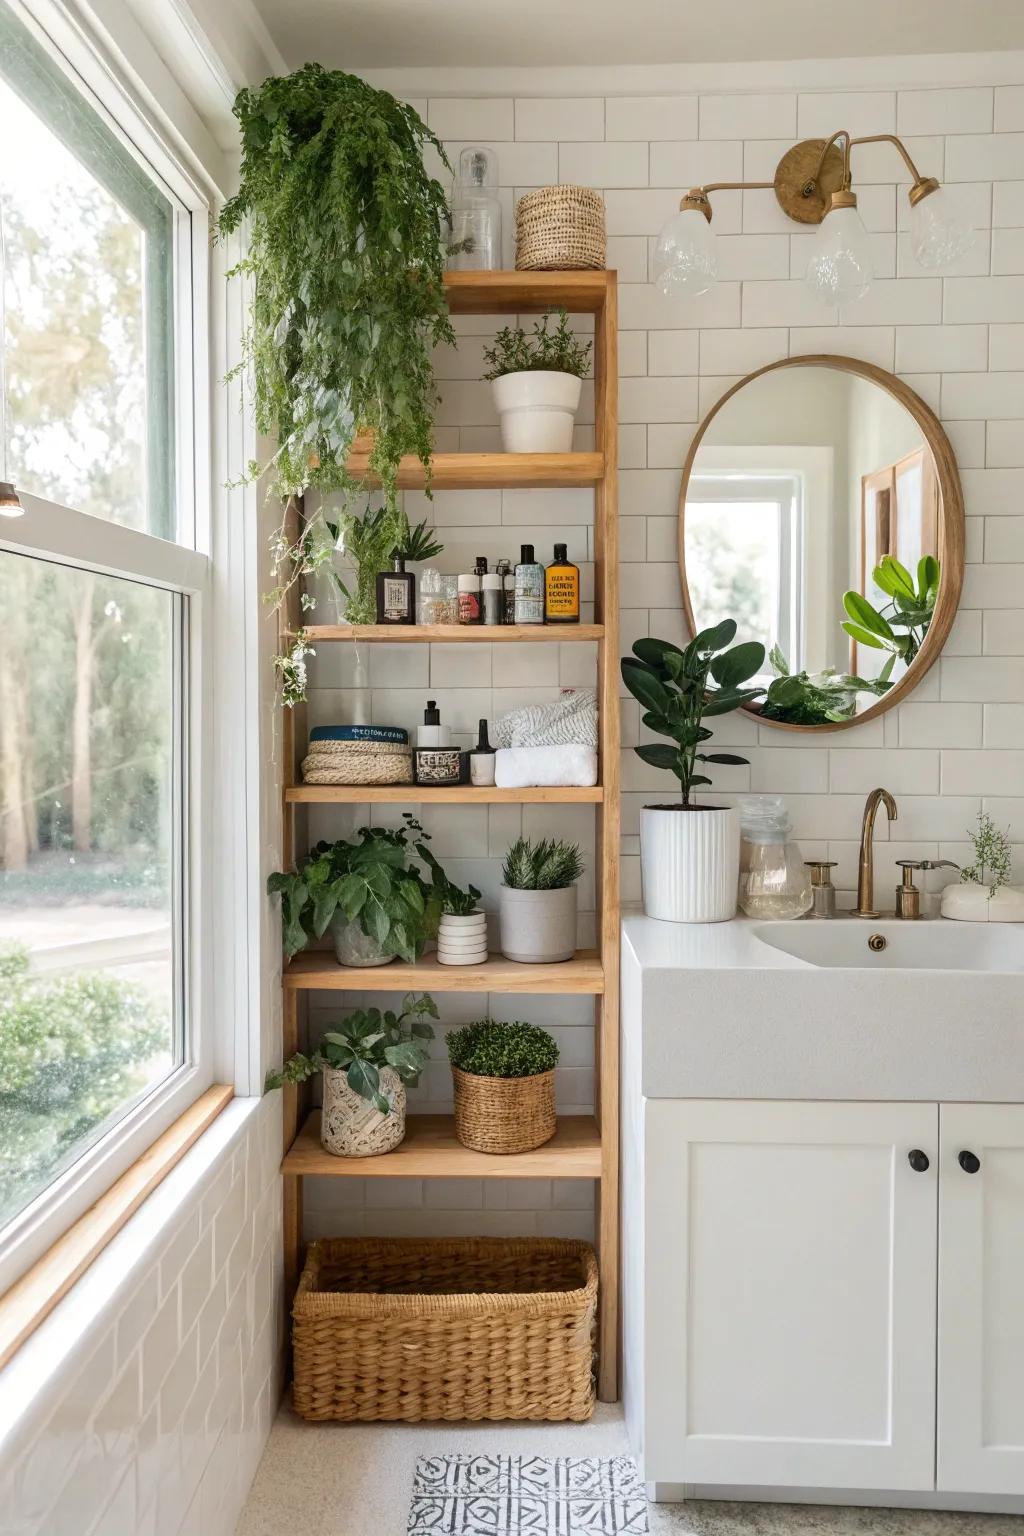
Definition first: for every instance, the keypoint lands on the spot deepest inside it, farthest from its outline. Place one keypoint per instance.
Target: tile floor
(349, 1480)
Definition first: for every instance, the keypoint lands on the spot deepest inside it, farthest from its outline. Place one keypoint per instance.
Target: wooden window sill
(34, 1296)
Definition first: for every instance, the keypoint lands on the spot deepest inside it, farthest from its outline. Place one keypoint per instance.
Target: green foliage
(364, 1042)
(559, 350)
(899, 627)
(673, 688)
(290, 667)
(492, 1049)
(451, 898)
(801, 698)
(373, 881)
(421, 543)
(73, 1049)
(368, 543)
(545, 865)
(992, 856)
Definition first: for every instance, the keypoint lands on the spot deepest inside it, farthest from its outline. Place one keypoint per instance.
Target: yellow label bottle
(561, 590)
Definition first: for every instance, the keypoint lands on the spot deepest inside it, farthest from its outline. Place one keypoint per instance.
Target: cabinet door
(791, 1254)
(981, 1299)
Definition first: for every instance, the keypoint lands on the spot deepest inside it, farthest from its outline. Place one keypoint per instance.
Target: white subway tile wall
(142, 1404)
(956, 746)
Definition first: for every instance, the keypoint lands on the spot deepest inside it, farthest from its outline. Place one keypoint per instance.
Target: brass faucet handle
(908, 897)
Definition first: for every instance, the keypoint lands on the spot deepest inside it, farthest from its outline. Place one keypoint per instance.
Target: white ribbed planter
(462, 940)
(537, 409)
(690, 861)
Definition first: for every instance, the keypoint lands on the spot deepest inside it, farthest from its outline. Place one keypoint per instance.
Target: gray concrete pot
(354, 947)
(538, 927)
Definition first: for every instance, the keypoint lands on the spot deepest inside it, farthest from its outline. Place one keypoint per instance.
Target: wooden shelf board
(430, 1150)
(486, 293)
(420, 794)
(317, 970)
(456, 634)
(491, 471)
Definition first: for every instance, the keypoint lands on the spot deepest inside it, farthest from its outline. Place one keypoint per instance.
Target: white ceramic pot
(537, 409)
(350, 1127)
(538, 927)
(462, 940)
(969, 902)
(690, 863)
(354, 947)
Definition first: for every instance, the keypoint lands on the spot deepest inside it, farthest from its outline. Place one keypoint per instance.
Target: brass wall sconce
(813, 185)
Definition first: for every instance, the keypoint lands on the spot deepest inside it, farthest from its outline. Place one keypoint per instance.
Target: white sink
(923, 945)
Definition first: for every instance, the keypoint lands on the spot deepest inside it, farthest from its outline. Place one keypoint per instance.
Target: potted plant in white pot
(984, 894)
(537, 910)
(537, 381)
(689, 854)
(504, 1085)
(367, 1061)
(462, 931)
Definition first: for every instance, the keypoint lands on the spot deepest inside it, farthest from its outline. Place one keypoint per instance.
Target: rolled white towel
(521, 767)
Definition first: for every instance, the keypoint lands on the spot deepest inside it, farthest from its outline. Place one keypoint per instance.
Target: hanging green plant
(346, 257)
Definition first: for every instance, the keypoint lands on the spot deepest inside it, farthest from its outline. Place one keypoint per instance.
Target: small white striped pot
(690, 862)
(462, 940)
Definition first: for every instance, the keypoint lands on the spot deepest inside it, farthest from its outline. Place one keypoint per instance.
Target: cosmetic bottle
(493, 598)
(437, 761)
(529, 588)
(561, 590)
(396, 593)
(508, 590)
(481, 759)
(476, 213)
(470, 611)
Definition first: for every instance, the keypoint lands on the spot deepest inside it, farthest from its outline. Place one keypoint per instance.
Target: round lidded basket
(357, 762)
(560, 229)
(503, 1115)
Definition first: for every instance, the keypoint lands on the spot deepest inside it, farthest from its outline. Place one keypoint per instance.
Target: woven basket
(357, 762)
(560, 229)
(504, 1114)
(445, 1328)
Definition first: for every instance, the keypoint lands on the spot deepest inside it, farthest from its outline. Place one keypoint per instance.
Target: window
(102, 700)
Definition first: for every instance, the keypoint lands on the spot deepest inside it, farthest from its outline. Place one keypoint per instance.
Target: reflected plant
(902, 624)
(818, 698)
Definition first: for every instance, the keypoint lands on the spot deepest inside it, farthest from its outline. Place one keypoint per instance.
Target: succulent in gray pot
(504, 1085)
(537, 905)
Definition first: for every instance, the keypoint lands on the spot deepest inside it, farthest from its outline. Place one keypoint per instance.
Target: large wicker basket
(504, 1114)
(560, 229)
(445, 1328)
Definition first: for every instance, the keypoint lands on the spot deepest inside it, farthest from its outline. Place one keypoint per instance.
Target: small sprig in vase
(984, 893)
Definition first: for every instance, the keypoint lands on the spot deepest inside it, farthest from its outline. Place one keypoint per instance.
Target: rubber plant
(346, 264)
(901, 626)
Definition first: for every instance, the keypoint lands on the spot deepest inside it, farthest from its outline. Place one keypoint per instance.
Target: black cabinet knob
(918, 1160)
(969, 1162)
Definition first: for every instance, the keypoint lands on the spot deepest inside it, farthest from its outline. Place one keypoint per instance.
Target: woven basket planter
(504, 1114)
(445, 1328)
(357, 762)
(560, 229)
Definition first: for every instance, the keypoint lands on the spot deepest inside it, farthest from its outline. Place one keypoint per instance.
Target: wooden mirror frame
(951, 523)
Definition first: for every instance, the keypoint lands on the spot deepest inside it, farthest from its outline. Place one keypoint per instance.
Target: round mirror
(821, 509)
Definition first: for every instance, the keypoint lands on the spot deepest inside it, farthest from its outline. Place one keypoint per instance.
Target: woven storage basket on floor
(357, 762)
(445, 1328)
(560, 229)
(504, 1114)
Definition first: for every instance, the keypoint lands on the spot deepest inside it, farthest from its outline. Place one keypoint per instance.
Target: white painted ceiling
(363, 34)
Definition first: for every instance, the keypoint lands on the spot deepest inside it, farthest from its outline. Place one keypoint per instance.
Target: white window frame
(53, 532)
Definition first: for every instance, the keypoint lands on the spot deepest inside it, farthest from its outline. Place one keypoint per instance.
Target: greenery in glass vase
(545, 865)
(674, 688)
(899, 627)
(369, 542)
(559, 351)
(492, 1049)
(363, 1043)
(373, 881)
(819, 698)
(346, 261)
(992, 855)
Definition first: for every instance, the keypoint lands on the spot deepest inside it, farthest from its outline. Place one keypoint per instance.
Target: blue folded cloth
(392, 733)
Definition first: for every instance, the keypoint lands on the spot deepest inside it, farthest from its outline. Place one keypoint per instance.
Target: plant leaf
(643, 685)
(721, 757)
(363, 1078)
(659, 756)
(737, 665)
(864, 636)
(716, 638)
(866, 615)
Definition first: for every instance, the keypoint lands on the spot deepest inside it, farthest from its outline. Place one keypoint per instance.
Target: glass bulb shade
(840, 269)
(10, 506)
(686, 256)
(938, 235)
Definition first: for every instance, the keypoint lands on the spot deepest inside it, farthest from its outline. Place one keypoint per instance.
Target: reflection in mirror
(812, 516)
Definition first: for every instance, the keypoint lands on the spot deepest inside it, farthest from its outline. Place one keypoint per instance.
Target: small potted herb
(369, 894)
(504, 1083)
(689, 854)
(984, 894)
(537, 382)
(462, 932)
(538, 901)
(366, 1063)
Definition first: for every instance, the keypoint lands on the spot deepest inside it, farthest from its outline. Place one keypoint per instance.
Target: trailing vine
(346, 254)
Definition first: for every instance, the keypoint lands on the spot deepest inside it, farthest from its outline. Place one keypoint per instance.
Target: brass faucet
(866, 864)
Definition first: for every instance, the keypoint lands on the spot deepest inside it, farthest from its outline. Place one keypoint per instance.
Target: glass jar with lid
(774, 881)
(475, 244)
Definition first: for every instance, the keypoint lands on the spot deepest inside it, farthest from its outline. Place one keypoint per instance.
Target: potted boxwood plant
(369, 894)
(462, 930)
(689, 854)
(504, 1083)
(366, 1063)
(537, 382)
(537, 910)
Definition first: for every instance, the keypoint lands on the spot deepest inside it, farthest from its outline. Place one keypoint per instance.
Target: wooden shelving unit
(584, 1147)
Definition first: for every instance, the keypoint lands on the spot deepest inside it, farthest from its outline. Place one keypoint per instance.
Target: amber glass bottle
(561, 590)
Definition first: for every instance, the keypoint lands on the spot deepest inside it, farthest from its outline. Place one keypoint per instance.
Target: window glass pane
(85, 345)
(733, 556)
(90, 1003)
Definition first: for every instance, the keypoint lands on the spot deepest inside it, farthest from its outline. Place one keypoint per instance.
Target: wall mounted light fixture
(813, 185)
